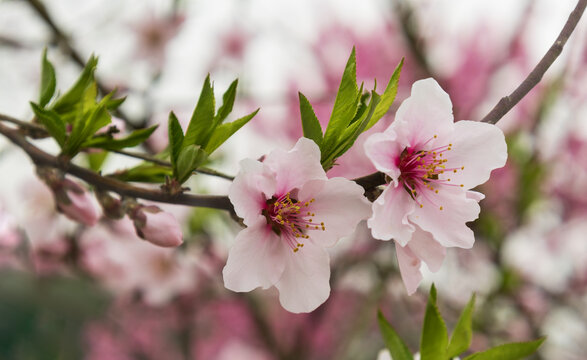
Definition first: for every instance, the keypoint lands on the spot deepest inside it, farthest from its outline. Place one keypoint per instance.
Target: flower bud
(76, 203)
(156, 226)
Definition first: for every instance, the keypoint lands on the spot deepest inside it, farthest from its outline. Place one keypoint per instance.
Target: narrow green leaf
(52, 122)
(76, 92)
(224, 131)
(145, 172)
(512, 351)
(48, 81)
(227, 103)
(388, 96)
(114, 104)
(96, 159)
(188, 160)
(434, 335)
(175, 135)
(201, 124)
(345, 104)
(310, 123)
(463, 332)
(137, 137)
(397, 348)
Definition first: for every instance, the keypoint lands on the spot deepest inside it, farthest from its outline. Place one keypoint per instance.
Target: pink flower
(431, 163)
(292, 211)
(157, 226)
(76, 203)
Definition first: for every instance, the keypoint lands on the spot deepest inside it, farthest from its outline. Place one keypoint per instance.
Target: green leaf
(227, 103)
(86, 126)
(52, 122)
(350, 135)
(397, 348)
(512, 351)
(224, 131)
(175, 135)
(48, 81)
(137, 137)
(80, 89)
(113, 104)
(146, 172)
(434, 335)
(188, 160)
(463, 332)
(387, 97)
(310, 123)
(202, 124)
(345, 105)
(96, 159)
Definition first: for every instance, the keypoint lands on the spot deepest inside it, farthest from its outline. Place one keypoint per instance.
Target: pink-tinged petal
(425, 248)
(477, 196)
(427, 112)
(80, 208)
(447, 224)
(384, 152)
(160, 228)
(338, 203)
(390, 215)
(304, 284)
(250, 190)
(409, 268)
(256, 259)
(479, 148)
(295, 167)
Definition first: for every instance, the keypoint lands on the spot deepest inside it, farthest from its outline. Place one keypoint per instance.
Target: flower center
(421, 171)
(291, 219)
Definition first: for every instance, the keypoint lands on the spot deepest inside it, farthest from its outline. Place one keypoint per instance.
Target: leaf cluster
(353, 113)
(435, 344)
(75, 117)
(206, 131)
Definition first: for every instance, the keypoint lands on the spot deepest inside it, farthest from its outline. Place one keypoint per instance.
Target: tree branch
(508, 102)
(41, 158)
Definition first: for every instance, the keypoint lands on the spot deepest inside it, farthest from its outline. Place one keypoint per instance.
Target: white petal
(427, 112)
(304, 284)
(250, 190)
(390, 215)
(338, 203)
(295, 167)
(480, 148)
(384, 152)
(256, 258)
(448, 226)
(425, 248)
(409, 267)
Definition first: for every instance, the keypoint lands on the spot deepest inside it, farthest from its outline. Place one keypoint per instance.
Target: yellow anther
(441, 208)
(455, 171)
(462, 185)
(435, 136)
(421, 206)
(295, 250)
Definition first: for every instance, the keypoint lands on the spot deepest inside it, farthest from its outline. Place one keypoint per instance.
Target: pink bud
(157, 226)
(76, 203)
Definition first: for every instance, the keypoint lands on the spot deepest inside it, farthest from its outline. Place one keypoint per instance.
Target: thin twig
(508, 102)
(41, 158)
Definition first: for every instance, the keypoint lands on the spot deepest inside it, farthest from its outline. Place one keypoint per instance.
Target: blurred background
(72, 292)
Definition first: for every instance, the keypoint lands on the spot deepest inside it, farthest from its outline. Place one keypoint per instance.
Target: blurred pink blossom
(76, 203)
(432, 163)
(292, 211)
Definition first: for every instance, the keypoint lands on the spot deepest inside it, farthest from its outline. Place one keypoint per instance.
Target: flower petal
(304, 284)
(250, 190)
(338, 203)
(256, 258)
(425, 248)
(409, 267)
(447, 225)
(427, 112)
(384, 152)
(480, 148)
(295, 167)
(390, 215)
